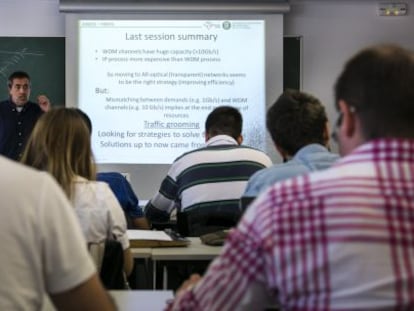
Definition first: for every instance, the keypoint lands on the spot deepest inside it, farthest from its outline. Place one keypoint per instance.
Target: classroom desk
(195, 251)
(148, 300)
(141, 277)
(141, 252)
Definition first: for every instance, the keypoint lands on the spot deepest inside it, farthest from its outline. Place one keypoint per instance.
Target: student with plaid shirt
(339, 239)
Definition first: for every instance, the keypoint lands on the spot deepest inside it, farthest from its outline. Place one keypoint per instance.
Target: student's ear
(350, 132)
(348, 124)
(282, 153)
(325, 134)
(240, 139)
(206, 136)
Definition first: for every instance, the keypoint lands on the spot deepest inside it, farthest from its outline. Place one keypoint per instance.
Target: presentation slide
(148, 85)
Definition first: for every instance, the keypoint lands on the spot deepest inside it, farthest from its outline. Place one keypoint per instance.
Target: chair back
(109, 261)
(96, 250)
(200, 221)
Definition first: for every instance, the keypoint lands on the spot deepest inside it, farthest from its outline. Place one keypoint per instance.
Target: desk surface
(148, 300)
(195, 251)
(141, 252)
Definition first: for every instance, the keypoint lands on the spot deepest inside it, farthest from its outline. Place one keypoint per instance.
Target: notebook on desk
(152, 238)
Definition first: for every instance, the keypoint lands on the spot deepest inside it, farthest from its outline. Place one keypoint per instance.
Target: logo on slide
(226, 25)
(210, 25)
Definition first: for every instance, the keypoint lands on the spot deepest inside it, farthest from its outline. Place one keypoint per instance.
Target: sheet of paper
(148, 235)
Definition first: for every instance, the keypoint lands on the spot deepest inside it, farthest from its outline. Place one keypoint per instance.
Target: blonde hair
(60, 144)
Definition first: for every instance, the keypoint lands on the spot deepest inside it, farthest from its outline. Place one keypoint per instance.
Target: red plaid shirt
(340, 239)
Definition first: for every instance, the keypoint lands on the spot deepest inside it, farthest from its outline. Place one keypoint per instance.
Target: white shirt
(43, 250)
(99, 212)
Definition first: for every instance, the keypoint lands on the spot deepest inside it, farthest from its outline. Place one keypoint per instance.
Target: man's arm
(188, 284)
(127, 198)
(130, 203)
(154, 214)
(254, 185)
(89, 295)
(128, 261)
(140, 223)
(161, 205)
(43, 102)
(236, 280)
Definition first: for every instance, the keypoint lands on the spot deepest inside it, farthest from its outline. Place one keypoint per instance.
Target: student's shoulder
(19, 172)
(5, 105)
(92, 186)
(109, 176)
(278, 172)
(316, 184)
(250, 149)
(191, 153)
(256, 155)
(99, 185)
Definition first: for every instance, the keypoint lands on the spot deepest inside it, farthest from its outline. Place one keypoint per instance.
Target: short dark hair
(17, 75)
(378, 83)
(225, 120)
(295, 120)
(85, 118)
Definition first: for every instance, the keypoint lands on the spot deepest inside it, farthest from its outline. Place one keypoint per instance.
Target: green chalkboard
(292, 62)
(43, 58)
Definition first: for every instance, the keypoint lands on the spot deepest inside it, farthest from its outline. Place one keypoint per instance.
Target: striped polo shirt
(217, 173)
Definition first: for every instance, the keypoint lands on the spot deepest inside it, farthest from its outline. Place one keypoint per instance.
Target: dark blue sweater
(16, 127)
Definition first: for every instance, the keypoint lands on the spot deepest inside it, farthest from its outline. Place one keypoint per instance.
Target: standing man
(298, 125)
(210, 177)
(18, 115)
(338, 239)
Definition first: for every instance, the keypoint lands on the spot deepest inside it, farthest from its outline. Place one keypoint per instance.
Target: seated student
(43, 251)
(122, 190)
(337, 239)
(215, 175)
(298, 126)
(60, 144)
(126, 196)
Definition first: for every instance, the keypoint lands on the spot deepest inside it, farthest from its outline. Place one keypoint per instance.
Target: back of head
(295, 120)
(60, 144)
(378, 83)
(224, 120)
(85, 118)
(17, 75)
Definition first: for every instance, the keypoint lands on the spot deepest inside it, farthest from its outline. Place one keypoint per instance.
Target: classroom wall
(332, 31)
(31, 18)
